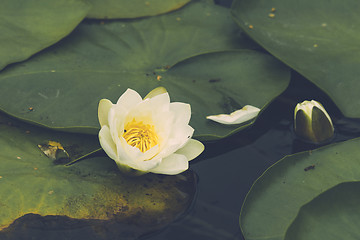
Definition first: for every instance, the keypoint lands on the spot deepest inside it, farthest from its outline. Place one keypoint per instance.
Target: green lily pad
(90, 191)
(64, 84)
(222, 83)
(29, 26)
(334, 214)
(110, 9)
(210, 88)
(277, 196)
(319, 39)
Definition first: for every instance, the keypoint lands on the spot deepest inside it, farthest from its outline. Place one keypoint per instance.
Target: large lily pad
(210, 88)
(64, 84)
(334, 214)
(319, 39)
(90, 191)
(29, 26)
(277, 196)
(109, 9)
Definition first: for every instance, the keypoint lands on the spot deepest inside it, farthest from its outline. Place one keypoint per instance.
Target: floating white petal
(245, 114)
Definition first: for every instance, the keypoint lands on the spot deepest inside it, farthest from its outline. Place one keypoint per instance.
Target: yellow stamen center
(140, 135)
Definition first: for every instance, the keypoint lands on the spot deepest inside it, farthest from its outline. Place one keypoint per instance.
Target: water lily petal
(180, 132)
(129, 99)
(176, 140)
(171, 165)
(163, 126)
(159, 103)
(137, 156)
(149, 154)
(103, 111)
(155, 92)
(182, 112)
(116, 120)
(245, 114)
(134, 158)
(122, 155)
(137, 159)
(192, 149)
(307, 107)
(150, 107)
(107, 142)
(126, 154)
(155, 112)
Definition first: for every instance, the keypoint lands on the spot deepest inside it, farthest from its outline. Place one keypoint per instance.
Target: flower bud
(312, 122)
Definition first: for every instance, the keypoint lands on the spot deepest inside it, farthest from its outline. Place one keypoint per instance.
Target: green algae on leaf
(90, 191)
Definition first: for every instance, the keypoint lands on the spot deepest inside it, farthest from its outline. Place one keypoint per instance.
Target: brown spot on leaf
(309, 168)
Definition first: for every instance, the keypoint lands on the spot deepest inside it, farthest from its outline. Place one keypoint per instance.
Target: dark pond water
(225, 179)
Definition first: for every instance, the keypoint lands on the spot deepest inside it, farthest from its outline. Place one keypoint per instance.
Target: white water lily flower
(148, 135)
(247, 113)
